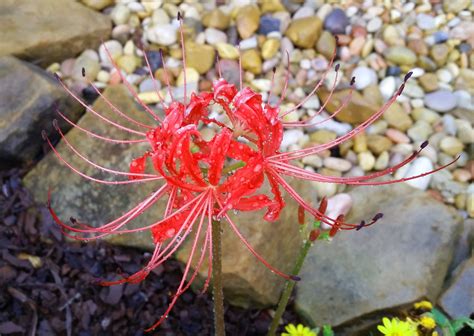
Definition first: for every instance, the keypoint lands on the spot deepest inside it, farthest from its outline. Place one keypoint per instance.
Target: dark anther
(336, 38)
(56, 75)
(161, 54)
(179, 16)
(377, 216)
(400, 90)
(73, 220)
(424, 144)
(337, 67)
(44, 135)
(55, 124)
(295, 278)
(83, 72)
(407, 76)
(353, 80)
(360, 226)
(274, 69)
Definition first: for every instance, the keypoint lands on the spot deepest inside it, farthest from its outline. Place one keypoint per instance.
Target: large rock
(458, 299)
(28, 96)
(246, 279)
(89, 201)
(247, 282)
(401, 259)
(49, 30)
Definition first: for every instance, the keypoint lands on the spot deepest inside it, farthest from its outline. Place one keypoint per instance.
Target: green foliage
(450, 328)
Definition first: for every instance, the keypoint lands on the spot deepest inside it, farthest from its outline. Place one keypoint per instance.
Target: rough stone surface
(247, 280)
(88, 201)
(49, 30)
(305, 32)
(351, 278)
(356, 111)
(458, 299)
(200, 57)
(28, 95)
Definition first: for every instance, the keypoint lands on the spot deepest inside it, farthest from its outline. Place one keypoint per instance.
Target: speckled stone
(251, 61)
(400, 55)
(304, 32)
(200, 57)
(247, 20)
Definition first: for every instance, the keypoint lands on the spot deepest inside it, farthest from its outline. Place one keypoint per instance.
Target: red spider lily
(203, 180)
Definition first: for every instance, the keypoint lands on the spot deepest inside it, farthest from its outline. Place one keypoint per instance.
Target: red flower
(203, 180)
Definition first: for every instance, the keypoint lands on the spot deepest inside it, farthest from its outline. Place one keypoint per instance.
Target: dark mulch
(60, 296)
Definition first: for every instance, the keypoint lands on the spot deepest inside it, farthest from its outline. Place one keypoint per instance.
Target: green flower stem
(289, 285)
(217, 291)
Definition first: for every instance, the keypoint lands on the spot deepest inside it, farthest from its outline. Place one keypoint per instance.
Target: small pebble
(419, 166)
(441, 100)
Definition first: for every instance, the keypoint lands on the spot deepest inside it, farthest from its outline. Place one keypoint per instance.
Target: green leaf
(327, 330)
(443, 322)
(324, 236)
(459, 323)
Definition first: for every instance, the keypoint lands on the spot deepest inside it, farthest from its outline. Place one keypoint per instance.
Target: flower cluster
(204, 179)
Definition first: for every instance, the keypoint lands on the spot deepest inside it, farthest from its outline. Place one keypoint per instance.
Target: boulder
(92, 202)
(29, 96)
(247, 281)
(400, 260)
(47, 31)
(458, 299)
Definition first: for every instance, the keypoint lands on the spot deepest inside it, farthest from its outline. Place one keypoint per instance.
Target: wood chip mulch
(48, 286)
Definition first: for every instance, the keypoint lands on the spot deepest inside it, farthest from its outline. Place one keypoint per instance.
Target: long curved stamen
(183, 53)
(318, 85)
(128, 85)
(315, 212)
(125, 218)
(316, 149)
(271, 85)
(287, 78)
(170, 249)
(167, 79)
(45, 137)
(218, 62)
(98, 136)
(344, 103)
(116, 226)
(80, 101)
(180, 289)
(112, 171)
(115, 109)
(150, 71)
(294, 171)
(240, 68)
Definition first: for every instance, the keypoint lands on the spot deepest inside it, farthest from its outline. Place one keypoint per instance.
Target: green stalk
(217, 291)
(289, 285)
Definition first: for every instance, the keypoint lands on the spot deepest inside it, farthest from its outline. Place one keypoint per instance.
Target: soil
(48, 286)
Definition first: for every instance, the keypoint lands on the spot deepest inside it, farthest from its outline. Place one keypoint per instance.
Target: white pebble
(419, 166)
(339, 204)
